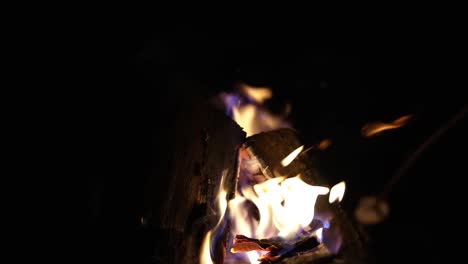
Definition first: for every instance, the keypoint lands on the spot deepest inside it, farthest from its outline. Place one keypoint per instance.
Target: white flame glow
(253, 257)
(337, 192)
(286, 161)
(285, 207)
(319, 234)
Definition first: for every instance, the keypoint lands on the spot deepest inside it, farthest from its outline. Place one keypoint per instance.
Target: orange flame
(375, 128)
(324, 144)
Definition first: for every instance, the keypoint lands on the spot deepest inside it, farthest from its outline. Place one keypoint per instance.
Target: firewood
(206, 146)
(275, 248)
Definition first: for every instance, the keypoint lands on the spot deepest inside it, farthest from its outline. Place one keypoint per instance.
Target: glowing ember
(286, 161)
(324, 144)
(337, 192)
(375, 128)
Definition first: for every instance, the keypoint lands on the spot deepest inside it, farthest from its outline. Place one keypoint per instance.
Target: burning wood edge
(277, 248)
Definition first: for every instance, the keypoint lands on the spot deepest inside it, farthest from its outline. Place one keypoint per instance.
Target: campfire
(278, 209)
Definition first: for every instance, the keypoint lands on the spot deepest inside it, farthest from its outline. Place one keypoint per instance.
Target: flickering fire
(279, 208)
(285, 208)
(375, 128)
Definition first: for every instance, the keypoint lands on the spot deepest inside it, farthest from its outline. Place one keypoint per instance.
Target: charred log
(206, 147)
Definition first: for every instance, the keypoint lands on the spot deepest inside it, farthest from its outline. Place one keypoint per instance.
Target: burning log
(206, 151)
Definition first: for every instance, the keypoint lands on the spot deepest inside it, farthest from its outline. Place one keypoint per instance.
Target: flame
(319, 234)
(205, 251)
(374, 128)
(254, 256)
(248, 110)
(294, 215)
(266, 207)
(244, 117)
(285, 207)
(205, 256)
(276, 207)
(286, 161)
(258, 94)
(337, 192)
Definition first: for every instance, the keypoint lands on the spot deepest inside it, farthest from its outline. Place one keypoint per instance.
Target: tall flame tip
(337, 192)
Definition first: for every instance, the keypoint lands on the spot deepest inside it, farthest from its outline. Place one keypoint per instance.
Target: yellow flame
(286, 161)
(374, 128)
(244, 117)
(337, 192)
(205, 255)
(258, 94)
(252, 115)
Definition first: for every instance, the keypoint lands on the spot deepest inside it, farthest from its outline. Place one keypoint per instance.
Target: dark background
(142, 76)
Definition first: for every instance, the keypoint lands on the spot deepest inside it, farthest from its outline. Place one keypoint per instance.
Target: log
(206, 146)
(269, 148)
